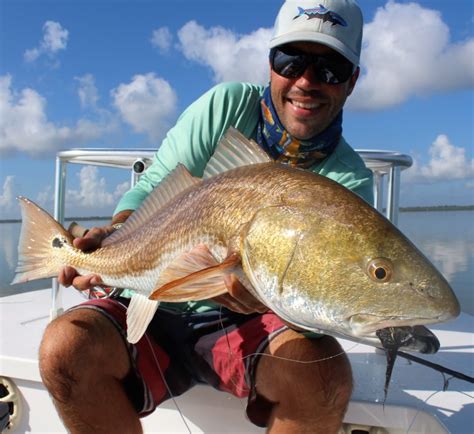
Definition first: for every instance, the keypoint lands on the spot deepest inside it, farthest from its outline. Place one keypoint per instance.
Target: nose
(309, 79)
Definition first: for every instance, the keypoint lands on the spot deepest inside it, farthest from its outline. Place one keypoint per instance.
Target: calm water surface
(446, 238)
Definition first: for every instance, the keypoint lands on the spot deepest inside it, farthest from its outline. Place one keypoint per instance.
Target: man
(101, 383)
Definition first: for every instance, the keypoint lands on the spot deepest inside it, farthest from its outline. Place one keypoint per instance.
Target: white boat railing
(385, 165)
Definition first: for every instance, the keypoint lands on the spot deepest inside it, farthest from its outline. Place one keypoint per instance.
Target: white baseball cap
(334, 23)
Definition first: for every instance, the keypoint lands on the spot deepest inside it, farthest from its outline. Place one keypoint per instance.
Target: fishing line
(426, 402)
(341, 353)
(305, 362)
(230, 354)
(175, 402)
(419, 410)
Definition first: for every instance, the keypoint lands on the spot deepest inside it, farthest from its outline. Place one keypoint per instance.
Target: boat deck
(415, 395)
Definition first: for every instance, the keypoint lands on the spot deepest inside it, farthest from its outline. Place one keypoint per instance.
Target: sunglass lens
(288, 65)
(332, 72)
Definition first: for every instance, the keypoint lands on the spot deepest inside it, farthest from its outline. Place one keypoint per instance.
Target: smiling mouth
(305, 105)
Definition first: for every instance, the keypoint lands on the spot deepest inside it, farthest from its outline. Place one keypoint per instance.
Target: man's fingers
(86, 243)
(83, 283)
(87, 240)
(93, 238)
(242, 298)
(66, 276)
(233, 304)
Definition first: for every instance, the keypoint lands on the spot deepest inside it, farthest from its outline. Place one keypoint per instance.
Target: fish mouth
(367, 325)
(398, 334)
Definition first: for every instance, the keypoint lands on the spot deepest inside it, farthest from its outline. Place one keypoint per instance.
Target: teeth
(305, 105)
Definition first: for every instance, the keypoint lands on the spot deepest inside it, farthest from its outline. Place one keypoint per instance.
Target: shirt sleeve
(360, 182)
(193, 139)
(346, 167)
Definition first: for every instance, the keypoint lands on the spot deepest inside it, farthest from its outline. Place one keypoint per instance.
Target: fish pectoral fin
(197, 259)
(199, 285)
(139, 314)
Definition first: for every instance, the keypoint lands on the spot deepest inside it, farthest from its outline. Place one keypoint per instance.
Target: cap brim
(319, 38)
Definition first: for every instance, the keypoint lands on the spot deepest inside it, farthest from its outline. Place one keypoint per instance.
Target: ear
(353, 81)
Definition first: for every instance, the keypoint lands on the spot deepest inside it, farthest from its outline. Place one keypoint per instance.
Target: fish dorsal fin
(234, 150)
(199, 285)
(139, 314)
(178, 180)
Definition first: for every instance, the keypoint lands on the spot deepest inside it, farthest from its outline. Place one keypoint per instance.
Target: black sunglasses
(330, 68)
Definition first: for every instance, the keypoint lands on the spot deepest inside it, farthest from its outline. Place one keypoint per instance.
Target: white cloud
(162, 38)
(147, 103)
(54, 39)
(45, 198)
(24, 125)
(230, 56)
(93, 191)
(7, 194)
(87, 91)
(407, 51)
(447, 163)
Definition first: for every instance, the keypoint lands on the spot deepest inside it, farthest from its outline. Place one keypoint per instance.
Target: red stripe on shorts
(232, 349)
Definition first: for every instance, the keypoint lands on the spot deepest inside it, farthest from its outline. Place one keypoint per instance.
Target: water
(446, 238)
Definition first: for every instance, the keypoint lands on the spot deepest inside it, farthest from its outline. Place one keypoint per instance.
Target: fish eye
(380, 270)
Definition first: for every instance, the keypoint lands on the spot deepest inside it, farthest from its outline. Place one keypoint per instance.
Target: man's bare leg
(82, 360)
(308, 397)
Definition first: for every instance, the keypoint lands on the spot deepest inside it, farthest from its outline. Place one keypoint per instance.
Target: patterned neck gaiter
(272, 136)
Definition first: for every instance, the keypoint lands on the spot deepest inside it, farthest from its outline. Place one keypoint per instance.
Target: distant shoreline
(437, 208)
(68, 219)
(402, 209)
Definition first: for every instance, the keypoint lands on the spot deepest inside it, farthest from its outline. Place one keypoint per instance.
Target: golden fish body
(311, 250)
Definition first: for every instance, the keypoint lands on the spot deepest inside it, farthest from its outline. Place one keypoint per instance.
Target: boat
(420, 399)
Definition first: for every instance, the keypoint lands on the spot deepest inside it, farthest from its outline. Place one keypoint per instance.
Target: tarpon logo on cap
(323, 14)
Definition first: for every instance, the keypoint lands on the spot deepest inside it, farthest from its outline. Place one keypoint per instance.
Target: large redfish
(311, 250)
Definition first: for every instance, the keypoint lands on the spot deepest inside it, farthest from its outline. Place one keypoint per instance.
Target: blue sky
(119, 72)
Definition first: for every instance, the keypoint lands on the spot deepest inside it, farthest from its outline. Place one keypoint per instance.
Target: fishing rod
(437, 367)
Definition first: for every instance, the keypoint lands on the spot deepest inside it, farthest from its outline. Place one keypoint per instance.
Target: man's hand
(89, 242)
(239, 299)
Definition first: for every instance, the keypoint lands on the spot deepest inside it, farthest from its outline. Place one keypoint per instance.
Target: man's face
(304, 105)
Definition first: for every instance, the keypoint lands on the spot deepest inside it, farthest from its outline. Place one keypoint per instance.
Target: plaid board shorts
(180, 349)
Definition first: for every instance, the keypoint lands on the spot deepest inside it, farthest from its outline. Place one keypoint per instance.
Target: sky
(117, 73)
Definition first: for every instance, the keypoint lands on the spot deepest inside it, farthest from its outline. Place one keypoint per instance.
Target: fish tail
(41, 238)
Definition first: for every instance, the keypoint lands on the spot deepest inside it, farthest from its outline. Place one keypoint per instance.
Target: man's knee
(73, 350)
(307, 374)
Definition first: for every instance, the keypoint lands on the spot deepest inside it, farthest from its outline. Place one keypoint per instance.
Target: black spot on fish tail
(57, 242)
